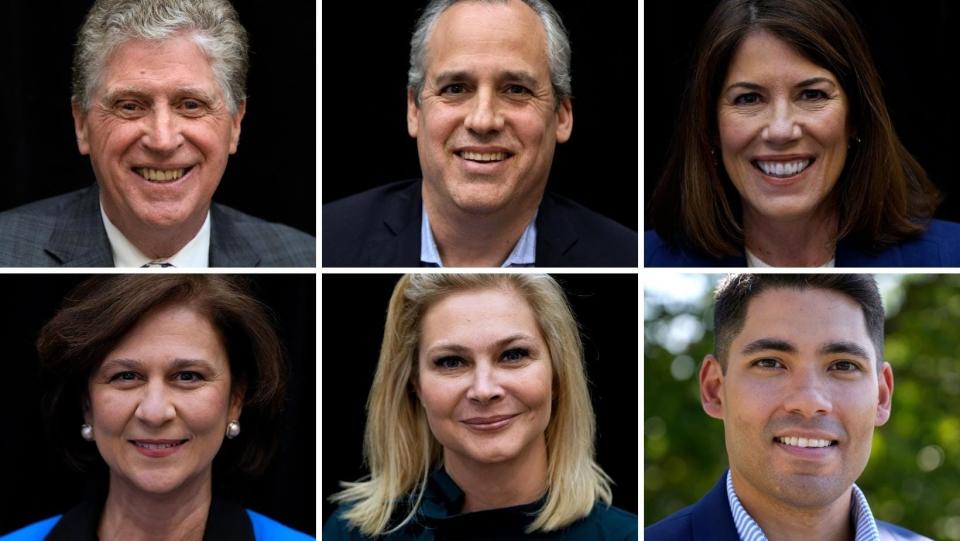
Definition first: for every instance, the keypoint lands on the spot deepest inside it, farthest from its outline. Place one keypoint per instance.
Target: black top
(381, 228)
(439, 518)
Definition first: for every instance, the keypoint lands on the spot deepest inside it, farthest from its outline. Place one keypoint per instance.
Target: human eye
(813, 94)
(129, 108)
(125, 377)
(192, 107)
(767, 363)
(518, 90)
(188, 377)
(845, 365)
(750, 98)
(515, 354)
(454, 88)
(449, 362)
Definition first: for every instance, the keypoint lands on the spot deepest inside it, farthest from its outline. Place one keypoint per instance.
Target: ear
(413, 114)
(236, 401)
(235, 121)
(564, 120)
(87, 416)
(80, 126)
(711, 387)
(884, 394)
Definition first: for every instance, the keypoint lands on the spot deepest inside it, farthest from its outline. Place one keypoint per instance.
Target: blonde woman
(479, 423)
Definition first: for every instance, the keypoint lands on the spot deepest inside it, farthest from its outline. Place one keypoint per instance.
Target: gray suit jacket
(67, 231)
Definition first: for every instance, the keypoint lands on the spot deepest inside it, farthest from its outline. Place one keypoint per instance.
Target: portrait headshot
(142, 127)
(785, 150)
(160, 407)
(501, 407)
(833, 415)
(496, 173)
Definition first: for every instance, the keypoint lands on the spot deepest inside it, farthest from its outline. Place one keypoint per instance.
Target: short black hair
(734, 293)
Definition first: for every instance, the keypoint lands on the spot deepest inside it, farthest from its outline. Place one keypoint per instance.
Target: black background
(35, 483)
(272, 175)
(365, 61)
(913, 44)
(354, 313)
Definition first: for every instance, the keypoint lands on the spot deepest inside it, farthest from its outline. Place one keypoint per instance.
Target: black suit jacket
(67, 231)
(710, 519)
(381, 228)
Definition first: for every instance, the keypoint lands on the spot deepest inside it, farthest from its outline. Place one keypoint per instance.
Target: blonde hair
(399, 448)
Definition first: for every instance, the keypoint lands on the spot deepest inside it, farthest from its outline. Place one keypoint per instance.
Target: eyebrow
(522, 77)
(133, 364)
(850, 348)
(459, 349)
(140, 93)
(764, 344)
(802, 84)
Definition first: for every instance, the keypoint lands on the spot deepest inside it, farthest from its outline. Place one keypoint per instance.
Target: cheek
(437, 122)
(438, 397)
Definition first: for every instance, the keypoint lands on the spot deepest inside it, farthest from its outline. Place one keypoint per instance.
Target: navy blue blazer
(381, 228)
(710, 519)
(939, 246)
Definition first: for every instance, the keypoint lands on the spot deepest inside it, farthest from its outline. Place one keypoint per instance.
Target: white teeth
(484, 156)
(159, 175)
(803, 442)
(783, 169)
(156, 445)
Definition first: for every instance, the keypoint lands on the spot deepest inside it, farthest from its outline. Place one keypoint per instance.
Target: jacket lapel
(555, 234)
(397, 244)
(79, 238)
(228, 247)
(711, 517)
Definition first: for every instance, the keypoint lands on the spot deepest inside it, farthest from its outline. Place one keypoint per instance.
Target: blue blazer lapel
(398, 243)
(555, 234)
(711, 518)
(79, 238)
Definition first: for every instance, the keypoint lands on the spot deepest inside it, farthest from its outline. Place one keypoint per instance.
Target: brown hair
(99, 312)
(882, 196)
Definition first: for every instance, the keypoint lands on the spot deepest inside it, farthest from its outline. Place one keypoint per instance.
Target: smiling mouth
(484, 157)
(781, 169)
(805, 442)
(158, 444)
(162, 175)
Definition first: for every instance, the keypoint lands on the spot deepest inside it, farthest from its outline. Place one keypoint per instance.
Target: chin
(158, 482)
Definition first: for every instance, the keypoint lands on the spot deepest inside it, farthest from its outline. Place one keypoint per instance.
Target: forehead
(764, 56)
(155, 65)
(478, 316)
(808, 318)
(474, 35)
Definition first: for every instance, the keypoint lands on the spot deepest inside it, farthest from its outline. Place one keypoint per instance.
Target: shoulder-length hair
(883, 195)
(399, 448)
(99, 312)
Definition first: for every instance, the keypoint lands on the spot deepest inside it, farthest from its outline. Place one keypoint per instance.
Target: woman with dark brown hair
(148, 379)
(786, 155)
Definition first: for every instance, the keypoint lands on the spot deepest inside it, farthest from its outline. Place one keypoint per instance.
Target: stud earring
(86, 432)
(233, 429)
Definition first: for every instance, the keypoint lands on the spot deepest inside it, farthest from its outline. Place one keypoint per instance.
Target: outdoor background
(913, 475)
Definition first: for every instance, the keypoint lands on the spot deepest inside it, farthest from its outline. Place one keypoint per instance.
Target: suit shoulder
(362, 208)
(675, 526)
(34, 532)
(279, 245)
(609, 523)
(267, 529)
(603, 241)
(338, 528)
(44, 211)
(594, 222)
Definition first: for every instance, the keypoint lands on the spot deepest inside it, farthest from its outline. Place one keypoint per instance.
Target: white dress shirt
(195, 254)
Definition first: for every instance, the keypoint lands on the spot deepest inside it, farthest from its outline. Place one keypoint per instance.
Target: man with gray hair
(488, 99)
(158, 98)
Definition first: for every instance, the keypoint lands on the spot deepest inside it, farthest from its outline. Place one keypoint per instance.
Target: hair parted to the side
(883, 195)
(399, 448)
(212, 24)
(734, 293)
(558, 45)
(100, 311)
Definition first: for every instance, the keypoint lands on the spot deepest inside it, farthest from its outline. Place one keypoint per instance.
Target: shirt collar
(524, 252)
(864, 525)
(754, 261)
(195, 253)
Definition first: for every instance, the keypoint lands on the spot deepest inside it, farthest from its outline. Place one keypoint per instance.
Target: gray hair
(558, 45)
(212, 24)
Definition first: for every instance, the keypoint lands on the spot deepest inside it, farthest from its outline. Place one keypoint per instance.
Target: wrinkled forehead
(177, 62)
(474, 35)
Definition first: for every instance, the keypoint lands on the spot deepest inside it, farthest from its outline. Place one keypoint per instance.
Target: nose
(808, 396)
(484, 116)
(156, 406)
(484, 386)
(163, 133)
(782, 128)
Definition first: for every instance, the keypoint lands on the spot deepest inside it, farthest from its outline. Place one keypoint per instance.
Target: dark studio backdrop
(36, 483)
(365, 61)
(913, 44)
(354, 313)
(272, 175)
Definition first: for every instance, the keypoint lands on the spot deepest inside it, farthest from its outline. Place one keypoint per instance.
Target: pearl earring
(86, 432)
(233, 429)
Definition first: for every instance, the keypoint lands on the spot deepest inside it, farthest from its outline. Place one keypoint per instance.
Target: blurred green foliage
(913, 477)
